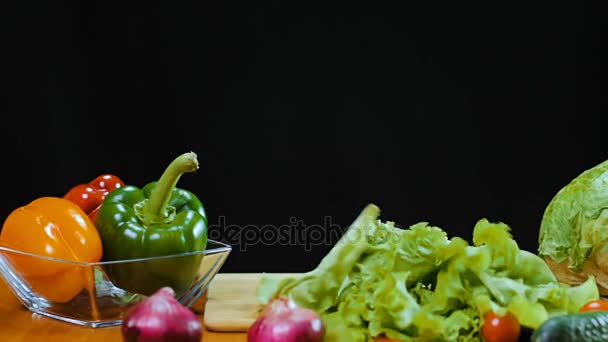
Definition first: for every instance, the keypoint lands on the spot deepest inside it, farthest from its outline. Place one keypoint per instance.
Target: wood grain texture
(17, 324)
(232, 305)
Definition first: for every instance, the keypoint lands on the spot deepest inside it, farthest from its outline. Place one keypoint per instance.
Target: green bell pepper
(156, 220)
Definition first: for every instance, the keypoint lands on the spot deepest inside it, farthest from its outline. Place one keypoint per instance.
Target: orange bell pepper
(57, 228)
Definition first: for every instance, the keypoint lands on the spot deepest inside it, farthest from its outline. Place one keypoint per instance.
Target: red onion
(283, 321)
(161, 318)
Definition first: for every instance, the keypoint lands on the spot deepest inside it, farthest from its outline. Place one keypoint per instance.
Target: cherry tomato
(595, 305)
(500, 328)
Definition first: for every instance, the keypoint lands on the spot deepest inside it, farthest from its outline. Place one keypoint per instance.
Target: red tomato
(500, 328)
(595, 305)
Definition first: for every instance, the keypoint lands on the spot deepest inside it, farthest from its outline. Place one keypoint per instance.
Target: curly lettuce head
(575, 223)
(418, 284)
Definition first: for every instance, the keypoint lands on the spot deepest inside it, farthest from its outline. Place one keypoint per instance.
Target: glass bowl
(102, 302)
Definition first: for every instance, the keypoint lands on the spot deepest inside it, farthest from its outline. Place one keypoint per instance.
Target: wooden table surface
(17, 324)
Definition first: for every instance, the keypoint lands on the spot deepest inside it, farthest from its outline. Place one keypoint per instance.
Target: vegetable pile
(107, 220)
(417, 284)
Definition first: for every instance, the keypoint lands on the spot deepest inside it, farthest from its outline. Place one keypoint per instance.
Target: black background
(440, 112)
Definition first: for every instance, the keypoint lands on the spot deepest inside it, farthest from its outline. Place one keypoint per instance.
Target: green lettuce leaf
(576, 219)
(417, 284)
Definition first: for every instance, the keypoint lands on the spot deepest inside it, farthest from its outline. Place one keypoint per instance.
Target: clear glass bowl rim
(222, 247)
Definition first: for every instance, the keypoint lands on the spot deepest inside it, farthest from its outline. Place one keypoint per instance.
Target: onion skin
(283, 321)
(161, 318)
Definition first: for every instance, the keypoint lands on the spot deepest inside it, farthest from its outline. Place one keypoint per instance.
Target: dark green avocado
(577, 327)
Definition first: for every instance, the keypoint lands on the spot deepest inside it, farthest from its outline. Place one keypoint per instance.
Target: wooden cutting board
(232, 305)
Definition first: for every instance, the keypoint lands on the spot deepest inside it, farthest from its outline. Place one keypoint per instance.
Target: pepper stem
(155, 208)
